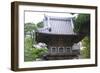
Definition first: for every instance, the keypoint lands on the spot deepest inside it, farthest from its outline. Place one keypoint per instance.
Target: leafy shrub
(85, 52)
(30, 53)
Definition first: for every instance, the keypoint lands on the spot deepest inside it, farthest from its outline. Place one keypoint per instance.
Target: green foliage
(28, 49)
(29, 27)
(38, 52)
(82, 24)
(85, 52)
(30, 53)
(28, 42)
(40, 25)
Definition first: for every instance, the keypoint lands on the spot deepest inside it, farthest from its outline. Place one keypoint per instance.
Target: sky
(35, 17)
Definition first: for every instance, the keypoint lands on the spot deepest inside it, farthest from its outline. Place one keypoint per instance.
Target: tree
(32, 53)
(82, 24)
(40, 25)
(29, 27)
